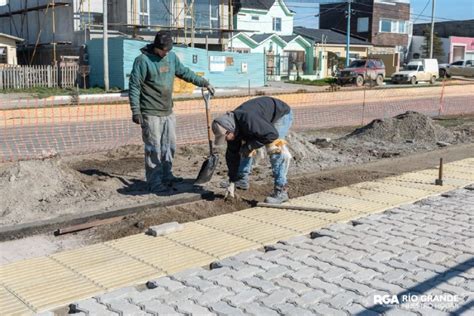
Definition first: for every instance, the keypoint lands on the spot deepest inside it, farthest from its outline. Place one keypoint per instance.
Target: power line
(426, 5)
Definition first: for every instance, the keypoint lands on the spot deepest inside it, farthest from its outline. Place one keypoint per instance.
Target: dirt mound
(409, 126)
(33, 186)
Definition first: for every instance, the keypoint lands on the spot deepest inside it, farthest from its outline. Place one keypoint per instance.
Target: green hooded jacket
(151, 82)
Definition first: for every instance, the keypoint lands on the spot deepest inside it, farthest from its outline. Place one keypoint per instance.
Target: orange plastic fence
(32, 129)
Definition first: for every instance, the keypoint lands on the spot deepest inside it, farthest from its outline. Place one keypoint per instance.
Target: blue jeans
(159, 136)
(278, 162)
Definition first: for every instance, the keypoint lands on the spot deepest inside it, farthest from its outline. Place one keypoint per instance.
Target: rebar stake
(439, 181)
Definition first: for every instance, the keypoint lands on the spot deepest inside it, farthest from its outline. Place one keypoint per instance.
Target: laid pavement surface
(415, 259)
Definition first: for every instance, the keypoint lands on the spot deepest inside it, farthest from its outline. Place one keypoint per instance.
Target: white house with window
(266, 26)
(264, 16)
(8, 49)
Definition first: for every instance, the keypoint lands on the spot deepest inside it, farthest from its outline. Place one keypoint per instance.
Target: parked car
(361, 71)
(416, 71)
(458, 68)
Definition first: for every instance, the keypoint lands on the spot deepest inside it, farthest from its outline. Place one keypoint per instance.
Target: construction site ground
(32, 191)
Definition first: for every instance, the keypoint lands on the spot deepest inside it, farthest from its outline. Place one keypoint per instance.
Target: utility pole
(106, 48)
(432, 27)
(348, 39)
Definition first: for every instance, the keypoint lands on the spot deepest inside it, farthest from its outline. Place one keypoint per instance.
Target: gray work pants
(159, 136)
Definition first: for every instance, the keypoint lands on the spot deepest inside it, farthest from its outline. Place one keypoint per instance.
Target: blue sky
(445, 10)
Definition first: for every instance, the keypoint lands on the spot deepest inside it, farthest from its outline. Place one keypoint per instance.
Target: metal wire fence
(35, 129)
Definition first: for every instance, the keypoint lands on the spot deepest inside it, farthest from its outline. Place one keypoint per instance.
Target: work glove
(211, 89)
(275, 147)
(230, 191)
(137, 119)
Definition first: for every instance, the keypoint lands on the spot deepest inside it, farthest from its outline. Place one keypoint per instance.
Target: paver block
(164, 229)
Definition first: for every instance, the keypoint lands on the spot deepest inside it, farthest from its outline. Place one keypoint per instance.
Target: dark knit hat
(163, 40)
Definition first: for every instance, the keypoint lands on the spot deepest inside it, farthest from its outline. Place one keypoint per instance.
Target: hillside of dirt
(50, 188)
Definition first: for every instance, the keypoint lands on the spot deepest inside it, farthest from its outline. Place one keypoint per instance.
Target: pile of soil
(30, 188)
(43, 189)
(409, 126)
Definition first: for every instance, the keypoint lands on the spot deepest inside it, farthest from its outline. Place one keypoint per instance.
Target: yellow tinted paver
(298, 222)
(42, 284)
(11, 305)
(211, 241)
(161, 253)
(250, 229)
(109, 268)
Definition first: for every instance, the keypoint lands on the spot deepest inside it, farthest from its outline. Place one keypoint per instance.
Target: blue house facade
(222, 69)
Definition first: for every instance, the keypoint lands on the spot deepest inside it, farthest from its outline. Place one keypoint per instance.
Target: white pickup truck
(416, 71)
(458, 68)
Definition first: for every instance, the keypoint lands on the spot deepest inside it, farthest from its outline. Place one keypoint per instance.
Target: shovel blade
(207, 169)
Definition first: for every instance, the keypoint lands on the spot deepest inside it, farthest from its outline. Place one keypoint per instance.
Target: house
(51, 31)
(266, 26)
(384, 23)
(8, 45)
(457, 38)
(263, 16)
(329, 41)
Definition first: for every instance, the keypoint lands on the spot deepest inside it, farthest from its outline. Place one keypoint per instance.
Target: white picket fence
(24, 77)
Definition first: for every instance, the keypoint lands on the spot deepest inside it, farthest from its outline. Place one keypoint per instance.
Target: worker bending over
(263, 121)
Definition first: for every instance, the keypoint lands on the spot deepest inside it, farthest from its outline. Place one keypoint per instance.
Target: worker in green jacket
(150, 93)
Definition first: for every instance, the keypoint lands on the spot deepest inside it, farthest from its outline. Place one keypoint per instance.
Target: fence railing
(46, 76)
(41, 128)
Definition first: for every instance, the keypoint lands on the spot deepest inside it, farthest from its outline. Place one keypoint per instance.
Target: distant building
(384, 23)
(457, 38)
(330, 41)
(8, 49)
(266, 26)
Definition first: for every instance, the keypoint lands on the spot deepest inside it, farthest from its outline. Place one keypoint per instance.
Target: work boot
(242, 184)
(278, 196)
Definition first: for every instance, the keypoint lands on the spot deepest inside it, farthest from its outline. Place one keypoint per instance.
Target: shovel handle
(207, 98)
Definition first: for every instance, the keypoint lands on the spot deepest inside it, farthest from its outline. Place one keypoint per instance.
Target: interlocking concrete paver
(258, 310)
(290, 309)
(418, 249)
(158, 308)
(188, 307)
(222, 308)
(212, 296)
(124, 307)
(278, 297)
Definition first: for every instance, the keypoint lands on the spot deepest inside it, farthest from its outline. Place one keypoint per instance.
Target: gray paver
(423, 248)
(290, 309)
(89, 306)
(243, 297)
(258, 310)
(156, 307)
(222, 308)
(190, 308)
(278, 297)
(124, 307)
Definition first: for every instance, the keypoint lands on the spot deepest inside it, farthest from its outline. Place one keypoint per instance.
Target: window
(3, 55)
(3, 2)
(458, 63)
(144, 14)
(255, 17)
(277, 24)
(393, 26)
(362, 25)
(385, 26)
(469, 63)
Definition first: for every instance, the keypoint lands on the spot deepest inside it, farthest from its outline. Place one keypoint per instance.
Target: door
(455, 69)
(371, 70)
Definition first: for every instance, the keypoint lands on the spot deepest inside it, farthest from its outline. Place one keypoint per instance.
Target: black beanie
(163, 40)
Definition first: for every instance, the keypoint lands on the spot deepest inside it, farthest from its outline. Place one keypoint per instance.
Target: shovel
(210, 164)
